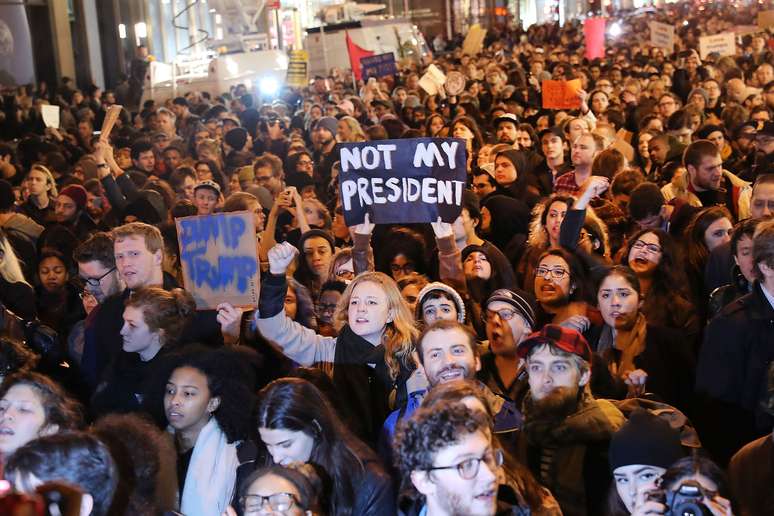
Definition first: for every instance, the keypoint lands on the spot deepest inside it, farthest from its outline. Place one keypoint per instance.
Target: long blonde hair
(50, 181)
(357, 132)
(10, 268)
(399, 334)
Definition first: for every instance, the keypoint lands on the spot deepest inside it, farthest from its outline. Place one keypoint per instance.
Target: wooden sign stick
(110, 120)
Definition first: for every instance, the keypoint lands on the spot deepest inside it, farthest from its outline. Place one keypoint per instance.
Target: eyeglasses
(278, 502)
(651, 248)
(468, 469)
(506, 314)
(305, 162)
(556, 273)
(95, 282)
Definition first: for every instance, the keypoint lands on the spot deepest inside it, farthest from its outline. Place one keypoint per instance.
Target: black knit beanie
(645, 439)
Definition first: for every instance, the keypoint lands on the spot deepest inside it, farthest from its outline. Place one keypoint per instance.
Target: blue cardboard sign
(378, 66)
(402, 181)
(219, 260)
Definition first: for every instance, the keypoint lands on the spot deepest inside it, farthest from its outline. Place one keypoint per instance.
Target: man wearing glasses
(566, 430)
(448, 462)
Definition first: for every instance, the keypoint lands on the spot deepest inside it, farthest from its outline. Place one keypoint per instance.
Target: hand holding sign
(229, 317)
(364, 228)
(442, 229)
(280, 258)
(402, 181)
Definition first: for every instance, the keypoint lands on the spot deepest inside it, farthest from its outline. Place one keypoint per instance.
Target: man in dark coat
(566, 431)
(734, 360)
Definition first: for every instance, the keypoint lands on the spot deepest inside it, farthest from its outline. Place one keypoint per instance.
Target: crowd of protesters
(592, 336)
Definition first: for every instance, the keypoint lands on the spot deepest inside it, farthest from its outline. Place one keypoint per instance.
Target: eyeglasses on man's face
(468, 469)
(96, 282)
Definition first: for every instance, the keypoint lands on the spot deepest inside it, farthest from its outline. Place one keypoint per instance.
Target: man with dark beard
(566, 431)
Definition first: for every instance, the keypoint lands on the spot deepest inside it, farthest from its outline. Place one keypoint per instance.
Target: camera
(684, 500)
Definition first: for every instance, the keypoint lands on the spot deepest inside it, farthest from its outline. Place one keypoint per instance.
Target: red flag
(594, 31)
(355, 53)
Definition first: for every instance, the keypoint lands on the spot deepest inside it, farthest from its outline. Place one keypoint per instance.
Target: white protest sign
(50, 115)
(662, 35)
(433, 80)
(724, 44)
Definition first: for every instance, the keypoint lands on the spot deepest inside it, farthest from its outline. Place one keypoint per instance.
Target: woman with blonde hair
(349, 130)
(16, 293)
(372, 355)
(41, 186)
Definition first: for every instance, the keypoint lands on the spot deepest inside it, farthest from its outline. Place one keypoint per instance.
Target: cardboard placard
(378, 66)
(662, 35)
(561, 94)
(766, 19)
(724, 44)
(50, 115)
(402, 181)
(474, 40)
(298, 69)
(594, 32)
(110, 120)
(433, 80)
(218, 255)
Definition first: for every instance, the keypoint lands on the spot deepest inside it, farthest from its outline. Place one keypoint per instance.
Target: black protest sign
(378, 66)
(402, 181)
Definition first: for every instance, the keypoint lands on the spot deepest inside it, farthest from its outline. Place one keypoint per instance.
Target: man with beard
(510, 317)
(764, 151)
(447, 351)
(70, 211)
(566, 431)
(506, 128)
(448, 463)
(709, 182)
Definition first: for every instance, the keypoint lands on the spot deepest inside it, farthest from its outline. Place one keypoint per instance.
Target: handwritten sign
(724, 44)
(594, 33)
(765, 19)
(561, 94)
(50, 115)
(378, 66)
(298, 69)
(662, 35)
(218, 254)
(433, 80)
(402, 181)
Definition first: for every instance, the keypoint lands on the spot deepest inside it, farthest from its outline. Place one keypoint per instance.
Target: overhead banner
(561, 94)
(724, 44)
(402, 181)
(594, 32)
(662, 35)
(378, 66)
(298, 69)
(218, 254)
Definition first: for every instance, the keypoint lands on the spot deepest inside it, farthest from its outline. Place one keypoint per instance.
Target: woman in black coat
(639, 357)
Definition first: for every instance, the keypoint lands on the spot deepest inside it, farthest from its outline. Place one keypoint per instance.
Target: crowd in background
(593, 335)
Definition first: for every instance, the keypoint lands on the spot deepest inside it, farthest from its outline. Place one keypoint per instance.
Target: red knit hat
(77, 193)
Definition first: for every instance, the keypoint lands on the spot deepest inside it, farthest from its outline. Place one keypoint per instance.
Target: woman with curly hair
(31, 406)
(375, 327)
(296, 423)
(652, 255)
(544, 231)
(208, 402)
